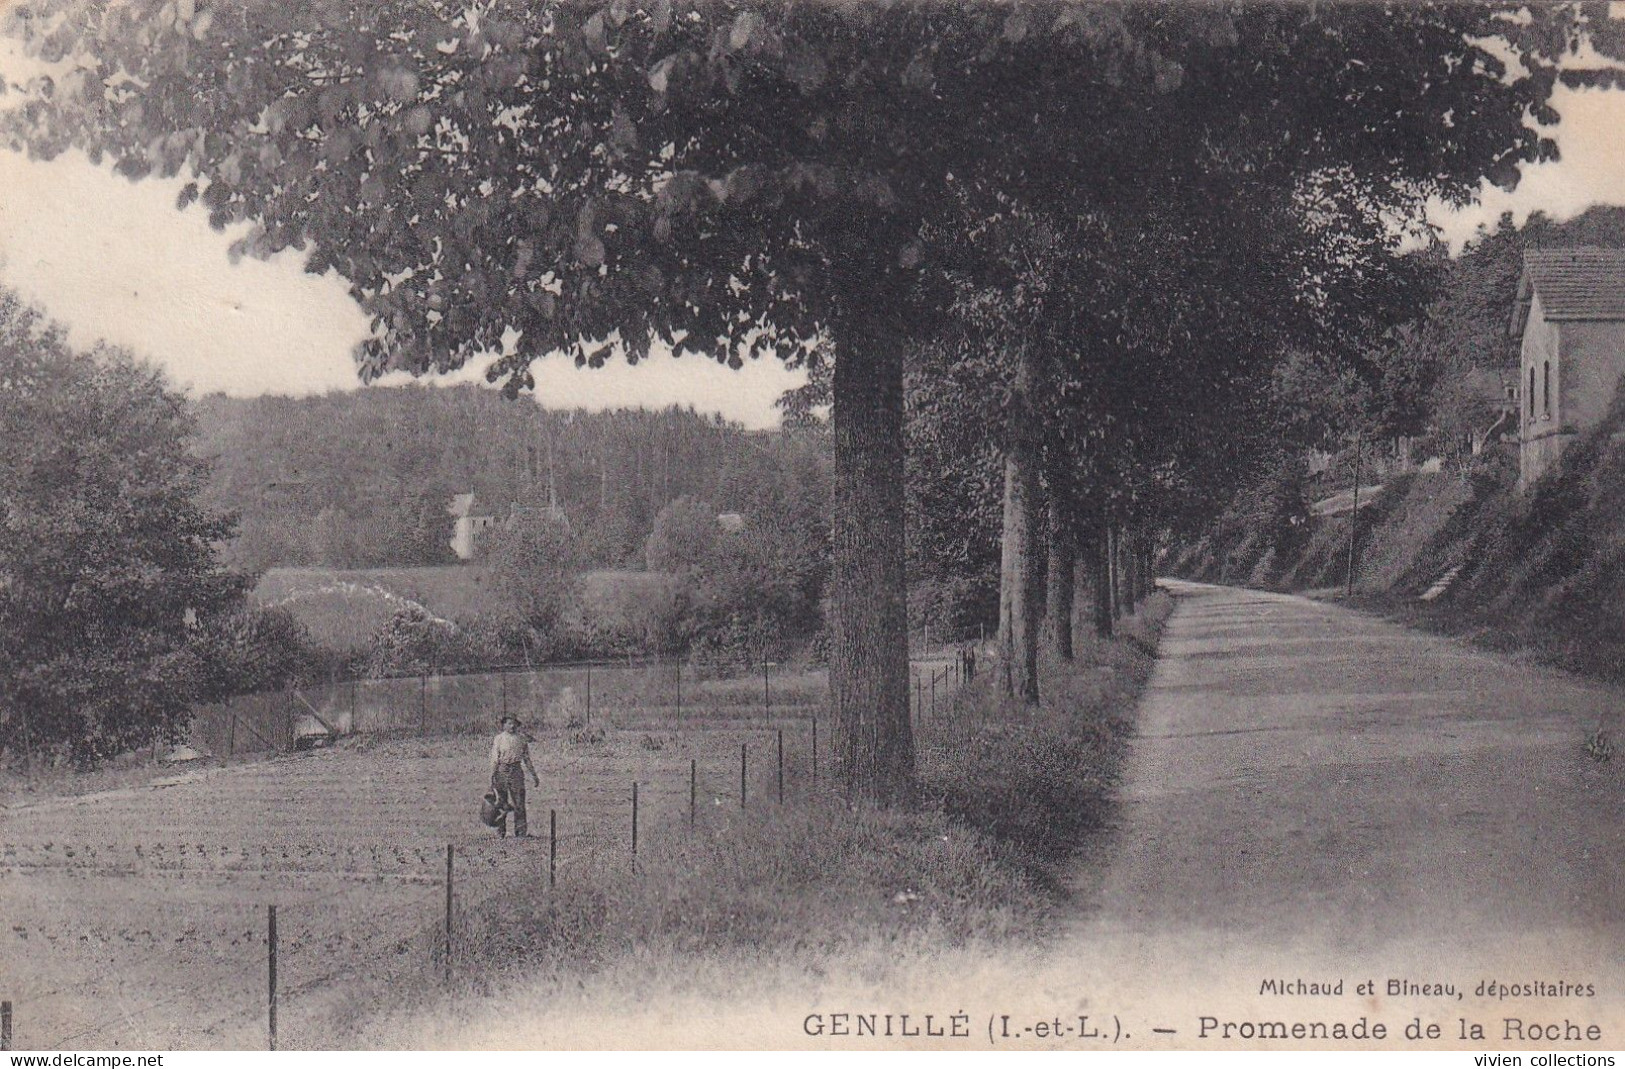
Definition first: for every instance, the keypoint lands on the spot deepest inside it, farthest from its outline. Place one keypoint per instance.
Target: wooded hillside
(363, 479)
(1460, 549)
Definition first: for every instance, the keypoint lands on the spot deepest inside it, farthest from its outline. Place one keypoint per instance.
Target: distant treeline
(363, 479)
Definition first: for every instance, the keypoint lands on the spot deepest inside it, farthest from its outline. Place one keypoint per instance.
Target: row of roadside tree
(1092, 226)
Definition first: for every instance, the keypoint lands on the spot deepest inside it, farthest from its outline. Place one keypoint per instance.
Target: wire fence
(613, 694)
(609, 694)
(190, 956)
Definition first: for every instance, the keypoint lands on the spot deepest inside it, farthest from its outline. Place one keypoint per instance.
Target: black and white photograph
(831, 525)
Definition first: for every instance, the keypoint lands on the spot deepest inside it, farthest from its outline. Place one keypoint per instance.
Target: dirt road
(1316, 794)
(1301, 770)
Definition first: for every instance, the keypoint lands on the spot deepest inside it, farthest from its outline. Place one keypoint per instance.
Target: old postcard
(837, 526)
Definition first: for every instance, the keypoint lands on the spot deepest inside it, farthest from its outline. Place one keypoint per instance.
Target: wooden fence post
(693, 785)
(449, 849)
(634, 818)
(552, 846)
(270, 980)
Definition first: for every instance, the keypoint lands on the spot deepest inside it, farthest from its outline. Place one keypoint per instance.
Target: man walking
(510, 760)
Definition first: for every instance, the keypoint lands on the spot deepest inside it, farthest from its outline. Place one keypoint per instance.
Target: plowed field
(136, 918)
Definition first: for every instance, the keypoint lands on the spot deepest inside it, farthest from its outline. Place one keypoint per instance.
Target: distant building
(730, 521)
(1571, 319)
(467, 525)
(1495, 393)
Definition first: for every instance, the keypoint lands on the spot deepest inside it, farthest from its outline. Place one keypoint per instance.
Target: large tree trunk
(1100, 561)
(1129, 555)
(1022, 600)
(1060, 581)
(1007, 561)
(874, 740)
(1022, 596)
(1114, 557)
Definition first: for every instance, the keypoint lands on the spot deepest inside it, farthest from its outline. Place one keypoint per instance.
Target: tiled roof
(1490, 383)
(1579, 283)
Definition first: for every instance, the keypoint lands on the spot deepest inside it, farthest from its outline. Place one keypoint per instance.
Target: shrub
(413, 642)
(736, 593)
(255, 649)
(537, 562)
(954, 605)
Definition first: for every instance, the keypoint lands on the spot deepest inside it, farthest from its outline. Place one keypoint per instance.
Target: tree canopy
(106, 558)
(739, 178)
(694, 171)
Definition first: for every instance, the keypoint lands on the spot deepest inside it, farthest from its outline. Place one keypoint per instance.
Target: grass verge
(1009, 797)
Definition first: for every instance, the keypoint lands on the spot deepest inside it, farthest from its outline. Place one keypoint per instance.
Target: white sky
(116, 261)
(1591, 171)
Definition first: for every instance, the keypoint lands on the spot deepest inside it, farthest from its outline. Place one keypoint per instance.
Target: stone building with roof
(1570, 318)
(467, 525)
(471, 523)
